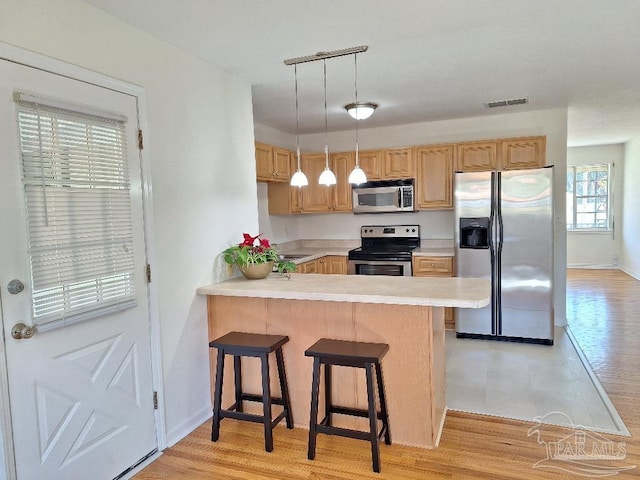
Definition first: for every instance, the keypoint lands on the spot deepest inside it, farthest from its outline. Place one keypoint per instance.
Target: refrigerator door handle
(500, 242)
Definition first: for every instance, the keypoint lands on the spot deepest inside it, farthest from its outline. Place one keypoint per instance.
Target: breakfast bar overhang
(407, 313)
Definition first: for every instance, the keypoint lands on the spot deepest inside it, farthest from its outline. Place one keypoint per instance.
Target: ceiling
(427, 60)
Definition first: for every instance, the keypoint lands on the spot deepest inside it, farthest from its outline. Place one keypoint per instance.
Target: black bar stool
(239, 345)
(349, 354)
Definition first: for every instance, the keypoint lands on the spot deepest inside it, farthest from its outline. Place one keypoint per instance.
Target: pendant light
(327, 177)
(357, 175)
(299, 179)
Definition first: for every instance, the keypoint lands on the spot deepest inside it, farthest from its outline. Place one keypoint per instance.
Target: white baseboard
(188, 426)
(635, 275)
(592, 266)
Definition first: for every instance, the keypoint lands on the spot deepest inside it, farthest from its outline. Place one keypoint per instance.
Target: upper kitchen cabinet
(434, 183)
(272, 163)
(477, 156)
(371, 162)
(315, 197)
(502, 154)
(342, 164)
(520, 153)
(399, 163)
(283, 198)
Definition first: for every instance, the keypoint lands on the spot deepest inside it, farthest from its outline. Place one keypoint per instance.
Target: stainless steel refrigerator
(504, 232)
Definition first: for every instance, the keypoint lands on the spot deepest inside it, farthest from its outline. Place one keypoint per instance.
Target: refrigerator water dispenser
(474, 232)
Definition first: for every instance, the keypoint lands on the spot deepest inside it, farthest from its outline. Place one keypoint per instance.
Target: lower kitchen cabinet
(436, 267)
(331, 264)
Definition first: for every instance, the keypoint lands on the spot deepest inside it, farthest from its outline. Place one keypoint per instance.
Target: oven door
(379, 267)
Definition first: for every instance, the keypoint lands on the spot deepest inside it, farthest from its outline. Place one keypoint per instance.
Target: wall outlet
(615, 260)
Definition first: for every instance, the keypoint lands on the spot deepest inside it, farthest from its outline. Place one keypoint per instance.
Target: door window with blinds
(78, 209)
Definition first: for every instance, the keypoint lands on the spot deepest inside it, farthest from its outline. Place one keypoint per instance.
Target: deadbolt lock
(20, 331)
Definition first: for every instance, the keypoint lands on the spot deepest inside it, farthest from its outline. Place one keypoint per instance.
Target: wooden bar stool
(349, 354)
(240, 345)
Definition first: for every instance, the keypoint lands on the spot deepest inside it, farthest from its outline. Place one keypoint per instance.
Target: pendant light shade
(357, 175)
(299, 179)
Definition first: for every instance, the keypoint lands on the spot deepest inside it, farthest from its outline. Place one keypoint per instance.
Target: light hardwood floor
(602, 306)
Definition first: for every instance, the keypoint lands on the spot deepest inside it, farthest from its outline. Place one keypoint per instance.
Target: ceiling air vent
(507, 103)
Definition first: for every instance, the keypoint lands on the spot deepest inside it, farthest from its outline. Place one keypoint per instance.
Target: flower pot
(255, 271)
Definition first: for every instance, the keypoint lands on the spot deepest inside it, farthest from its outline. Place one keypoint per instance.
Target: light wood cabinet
(308, 267)
(333, 264)
(315, 197)
(342, 164)
(502, 154)
(520, 153)
(283, 198)
(371, 162)
(477, 156)
(436, 267)
(434, 183)
(272, 163)
(399, 163)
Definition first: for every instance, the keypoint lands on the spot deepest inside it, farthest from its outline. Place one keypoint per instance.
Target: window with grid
(588, 197)
(78, 210)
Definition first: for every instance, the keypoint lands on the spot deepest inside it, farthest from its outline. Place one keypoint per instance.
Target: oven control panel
(390, 231)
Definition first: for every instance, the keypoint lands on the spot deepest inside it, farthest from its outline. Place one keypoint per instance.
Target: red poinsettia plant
(255, 250)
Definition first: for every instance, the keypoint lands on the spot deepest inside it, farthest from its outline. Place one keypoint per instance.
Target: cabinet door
(308, 267)
(335, 264)
(371, 163)
(281, 165)
(477, 156)
(264, 162)
(399, 163)
(519, 153)
(434, 186)
(342, 164)
(315, 197)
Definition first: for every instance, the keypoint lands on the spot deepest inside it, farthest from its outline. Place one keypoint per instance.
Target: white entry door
(80, 388)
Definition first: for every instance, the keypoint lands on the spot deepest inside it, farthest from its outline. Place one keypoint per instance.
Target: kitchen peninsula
(407, 313)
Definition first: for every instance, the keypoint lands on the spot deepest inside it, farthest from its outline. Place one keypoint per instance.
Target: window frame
(571, 221)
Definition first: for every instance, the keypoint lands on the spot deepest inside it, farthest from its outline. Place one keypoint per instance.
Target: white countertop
(424, 291)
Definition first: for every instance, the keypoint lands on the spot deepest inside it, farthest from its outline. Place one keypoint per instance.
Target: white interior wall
(630, 221)
(437, 224)
(598, 249)
(200, 141)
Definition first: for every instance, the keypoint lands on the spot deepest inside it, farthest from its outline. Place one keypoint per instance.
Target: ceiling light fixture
(327, 177)
(361, 110)
(357, 175)
(299, 179)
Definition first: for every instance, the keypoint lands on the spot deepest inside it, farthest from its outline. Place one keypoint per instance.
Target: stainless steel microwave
(384, 196)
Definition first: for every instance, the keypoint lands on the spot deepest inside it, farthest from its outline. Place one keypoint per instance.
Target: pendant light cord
(295, 73)
(355, 76)
(326, 121)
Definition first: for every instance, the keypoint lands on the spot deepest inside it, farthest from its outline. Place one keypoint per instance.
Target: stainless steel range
(385, 250)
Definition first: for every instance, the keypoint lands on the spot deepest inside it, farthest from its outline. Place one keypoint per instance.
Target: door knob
(15, 286)
(20, 331)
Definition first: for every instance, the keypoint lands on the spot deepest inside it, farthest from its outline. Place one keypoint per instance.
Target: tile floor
(525, 381)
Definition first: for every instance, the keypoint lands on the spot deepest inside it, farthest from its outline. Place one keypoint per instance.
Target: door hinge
(140, 140)
(148, 272)
(155, 400)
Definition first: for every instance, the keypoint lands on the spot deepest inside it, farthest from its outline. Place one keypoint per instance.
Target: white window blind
(78, 209)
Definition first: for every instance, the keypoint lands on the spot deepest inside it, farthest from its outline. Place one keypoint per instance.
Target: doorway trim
(35, 60)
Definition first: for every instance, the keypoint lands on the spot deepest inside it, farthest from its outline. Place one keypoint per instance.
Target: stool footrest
(343, 432)
(250, 397)
(355, 412)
